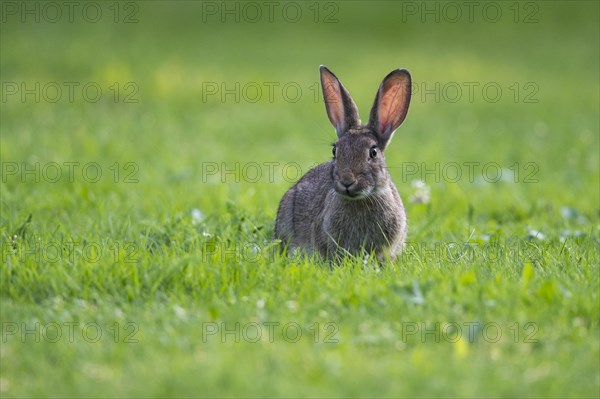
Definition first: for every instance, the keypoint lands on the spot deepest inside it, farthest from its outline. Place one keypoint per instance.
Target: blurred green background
(178, 61)
(187, 86)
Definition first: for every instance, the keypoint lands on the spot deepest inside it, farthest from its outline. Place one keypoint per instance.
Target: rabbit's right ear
(341, 110)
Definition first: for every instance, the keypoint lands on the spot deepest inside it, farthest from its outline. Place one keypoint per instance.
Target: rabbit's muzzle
(348, 186)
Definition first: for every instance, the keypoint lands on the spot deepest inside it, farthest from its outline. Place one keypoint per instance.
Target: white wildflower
(421, 194)
(197, 216)
(536, 234)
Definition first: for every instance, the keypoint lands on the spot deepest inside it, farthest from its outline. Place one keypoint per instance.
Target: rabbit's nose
(347, 180)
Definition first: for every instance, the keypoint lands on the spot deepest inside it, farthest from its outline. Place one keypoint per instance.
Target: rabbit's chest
(359, 227)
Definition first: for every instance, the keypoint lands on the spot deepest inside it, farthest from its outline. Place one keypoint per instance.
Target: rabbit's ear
(391, 105)
(341, 110)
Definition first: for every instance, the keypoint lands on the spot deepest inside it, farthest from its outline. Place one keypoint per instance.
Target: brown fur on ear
(340, 107)
(391, 104)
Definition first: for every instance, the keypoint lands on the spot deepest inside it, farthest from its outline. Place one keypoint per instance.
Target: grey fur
(350, 204)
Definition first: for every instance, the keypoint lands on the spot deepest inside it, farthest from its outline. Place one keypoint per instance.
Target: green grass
(172, 260)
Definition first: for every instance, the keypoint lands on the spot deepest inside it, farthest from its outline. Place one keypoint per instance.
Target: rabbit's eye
(373, 152)
(333, 151)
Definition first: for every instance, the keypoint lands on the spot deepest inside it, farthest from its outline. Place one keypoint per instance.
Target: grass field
(145, 147)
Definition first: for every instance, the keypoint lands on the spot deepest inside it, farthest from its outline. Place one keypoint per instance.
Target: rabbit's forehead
(356, 141)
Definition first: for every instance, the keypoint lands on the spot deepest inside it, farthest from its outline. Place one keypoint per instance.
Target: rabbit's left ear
(391, 105)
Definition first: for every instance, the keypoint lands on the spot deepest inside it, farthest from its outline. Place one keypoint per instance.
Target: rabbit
(349, 205)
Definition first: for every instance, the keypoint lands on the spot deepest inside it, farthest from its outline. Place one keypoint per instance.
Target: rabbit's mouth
(352, 192)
